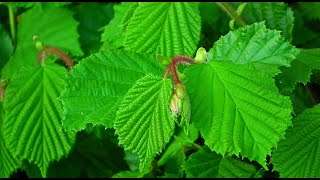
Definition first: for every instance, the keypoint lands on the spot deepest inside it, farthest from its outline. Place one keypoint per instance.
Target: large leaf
(144, 122)
(92, 16)
(300, 70)
(55, 27)
(247, 114)
(164, 28)
(208, 164)
(113, 34)
(277, 15)
(237, 109)
(32, 125)
(8, 163)
(6, 46)
(299, 155)
(95, 86)
(254, 44)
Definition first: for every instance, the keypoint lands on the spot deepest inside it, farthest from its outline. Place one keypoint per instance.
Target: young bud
(201, 55)
(180, 91)
(175, 104)
(163, 59)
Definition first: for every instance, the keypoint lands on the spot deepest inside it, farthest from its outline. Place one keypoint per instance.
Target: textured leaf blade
(277, 16)
(237, 109)
(96, 86)
(144, 122)
(300, 70)
(32, 125)
(55, 27)
(208, 164)
(253, 44)
(298, 156)
(164, 28)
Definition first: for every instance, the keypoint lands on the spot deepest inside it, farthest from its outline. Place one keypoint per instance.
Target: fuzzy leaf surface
(32, 124)
(298, 156)
(164, 28)
(144, 122)
(96, 86)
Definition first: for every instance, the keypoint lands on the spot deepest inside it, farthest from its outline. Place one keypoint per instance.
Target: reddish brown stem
(63, 56)
(172, 68)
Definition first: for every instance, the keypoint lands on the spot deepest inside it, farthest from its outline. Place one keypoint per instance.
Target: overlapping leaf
(208, 164)
(164, 28)
(236, 106)
(95, 87)
(144, 122)
(55, 27)
(32, 125)
(277, 15)
(300, 70)
(298, 156)
(113, 34)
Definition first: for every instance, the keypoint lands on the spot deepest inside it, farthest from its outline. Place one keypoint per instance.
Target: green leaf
(208, 164)
(92, 16)
(96, 86)
(6, 46)
(8, 163)
(92, 157)
(299, 156)
(277, 16)
(32, 125)
(235, 103)
(237, 109)
(254, 44)
(300, 70)
(144, 123)
(55, 27)
(113, 34)
(310, 10)
(164, 28)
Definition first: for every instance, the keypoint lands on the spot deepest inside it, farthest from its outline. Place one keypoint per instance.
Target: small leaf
(310, 10)
(144, 123)
(162, 28)
(96, 86)
(32, 125)
(298, 156)
(208, 164)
